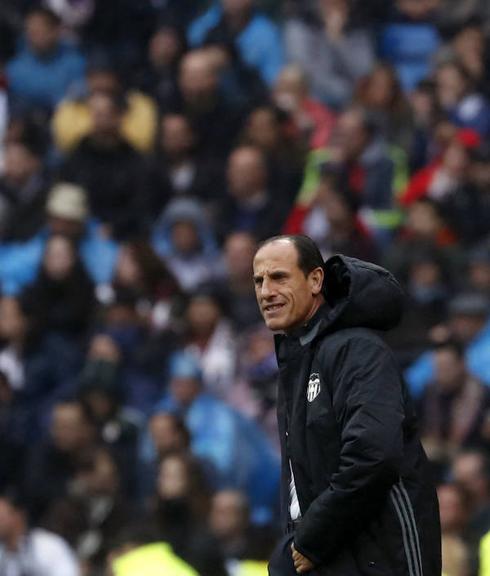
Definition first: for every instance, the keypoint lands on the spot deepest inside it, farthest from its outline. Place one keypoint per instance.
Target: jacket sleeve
(367, 400)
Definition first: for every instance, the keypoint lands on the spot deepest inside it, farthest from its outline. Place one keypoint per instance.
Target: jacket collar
(307, 333)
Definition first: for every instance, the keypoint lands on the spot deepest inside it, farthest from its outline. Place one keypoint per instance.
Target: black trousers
(281, 561)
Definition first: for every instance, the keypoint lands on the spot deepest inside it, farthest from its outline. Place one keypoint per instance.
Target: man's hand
(301, 563)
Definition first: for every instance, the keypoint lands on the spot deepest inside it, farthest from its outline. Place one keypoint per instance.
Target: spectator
(427, 288)
(425, 113)
(458, 99)
(179, 169)
(217, 431)
(44, 69)
(169, 434)
(124, 341)
(270, 130)
(229, 521)
(239, 83)
(310, 117)
(250, 205)
(468, 47)
(142, 273)
(331, 48)
(25, 549)
(23, 188)
(371, 168)
(181, 507)
(238, 252)
(184, 239)
(452, 181)
(41, 368)
(216, 121)
(73, 119)
(365, 157)
(332, 220)
(468, 323)
(409, 38)
(209, 336)
(61, 299)
(443, 177)
(166, 434)
(67, 214)
(55, 462)
(445, 425)
(110, 169)
(380, 93)
(470, 471)
(255, 391)
(453, 509)
(158, 77)
(102, 395)
(425, 229)
(257, 38)
(95, 508)
(479, 268)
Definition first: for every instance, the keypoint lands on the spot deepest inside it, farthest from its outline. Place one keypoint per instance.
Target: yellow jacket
(151, 560)
(71, 122)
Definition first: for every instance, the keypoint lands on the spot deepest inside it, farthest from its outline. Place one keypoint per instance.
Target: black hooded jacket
(348, 429)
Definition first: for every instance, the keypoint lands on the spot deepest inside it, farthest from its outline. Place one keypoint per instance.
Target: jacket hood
(188, 210)
(361, 294)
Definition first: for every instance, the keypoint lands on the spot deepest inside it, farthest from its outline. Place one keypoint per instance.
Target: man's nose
(266, 289)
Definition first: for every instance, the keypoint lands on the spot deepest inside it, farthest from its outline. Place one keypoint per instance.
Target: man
(256, 37)
(455, 407)
(251, 204)
(30, 551)
(56, 460)
(66, 214)
(45, 67)
(216, 121)
(356, 498)
(23, 187)
(110, 169)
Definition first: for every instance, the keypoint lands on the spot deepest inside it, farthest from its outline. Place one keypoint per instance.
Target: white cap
(68, 201)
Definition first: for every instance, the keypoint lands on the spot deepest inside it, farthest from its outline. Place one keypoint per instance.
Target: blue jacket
(409, 47)
(20, 261)
(43, 82)
(421, 372)
(239, 450)
(260, 42)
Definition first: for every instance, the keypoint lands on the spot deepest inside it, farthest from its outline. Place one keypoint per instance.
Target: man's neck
(314, 309)
(12, 542)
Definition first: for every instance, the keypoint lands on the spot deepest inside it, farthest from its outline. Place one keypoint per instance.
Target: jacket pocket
(370, 558)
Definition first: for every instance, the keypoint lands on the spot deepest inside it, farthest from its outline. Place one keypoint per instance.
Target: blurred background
(146, 147)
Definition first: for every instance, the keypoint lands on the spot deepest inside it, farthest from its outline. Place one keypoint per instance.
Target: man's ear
(316, 280)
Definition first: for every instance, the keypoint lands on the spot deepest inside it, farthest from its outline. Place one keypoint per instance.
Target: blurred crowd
(146, 148)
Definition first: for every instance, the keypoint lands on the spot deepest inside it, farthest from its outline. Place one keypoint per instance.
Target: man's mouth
(270, 308)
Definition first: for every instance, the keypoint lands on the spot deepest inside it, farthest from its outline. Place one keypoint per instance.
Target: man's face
(450, 370)
(233, 7)
(246, 173)
(287, 298)
(106, 119)
(198, 79)
(7, 519)
(42, 35)
(350, 135)
(68, 428)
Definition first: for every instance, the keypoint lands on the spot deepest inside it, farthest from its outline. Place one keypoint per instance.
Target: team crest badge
(313, 387)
